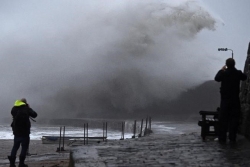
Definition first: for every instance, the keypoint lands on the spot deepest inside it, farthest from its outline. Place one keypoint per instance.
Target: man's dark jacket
(230, 82)
(22, 108)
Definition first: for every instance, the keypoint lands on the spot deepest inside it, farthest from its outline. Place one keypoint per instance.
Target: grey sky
(88, 55)
(235, 32)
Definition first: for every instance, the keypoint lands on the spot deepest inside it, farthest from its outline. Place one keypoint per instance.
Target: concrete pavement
(164, 150)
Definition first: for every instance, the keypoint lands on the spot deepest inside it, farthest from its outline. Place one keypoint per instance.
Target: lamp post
(226, 49)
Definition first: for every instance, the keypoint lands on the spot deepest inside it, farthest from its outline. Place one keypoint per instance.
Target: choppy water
(44, 130)
(37, 131)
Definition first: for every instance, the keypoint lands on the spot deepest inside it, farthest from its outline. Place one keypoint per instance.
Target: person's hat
(23, 100)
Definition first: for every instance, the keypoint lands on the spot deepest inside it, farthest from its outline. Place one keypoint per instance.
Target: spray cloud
(91, 57)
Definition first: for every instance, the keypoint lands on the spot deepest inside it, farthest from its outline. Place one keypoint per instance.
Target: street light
(226, 49)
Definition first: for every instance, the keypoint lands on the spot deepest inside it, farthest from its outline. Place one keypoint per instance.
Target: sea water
(37, 131)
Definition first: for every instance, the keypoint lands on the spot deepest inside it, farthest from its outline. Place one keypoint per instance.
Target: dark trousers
(229, 116)
(24, 142)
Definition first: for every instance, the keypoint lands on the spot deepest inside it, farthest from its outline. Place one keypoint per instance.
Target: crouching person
(21, 130)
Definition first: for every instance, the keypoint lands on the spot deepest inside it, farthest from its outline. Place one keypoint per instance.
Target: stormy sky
(70, 57)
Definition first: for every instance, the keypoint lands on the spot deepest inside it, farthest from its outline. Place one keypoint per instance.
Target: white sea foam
(44, 130)
(38, 131)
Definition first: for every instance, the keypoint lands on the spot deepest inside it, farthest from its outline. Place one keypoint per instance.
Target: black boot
(21, 162)
(12, 161)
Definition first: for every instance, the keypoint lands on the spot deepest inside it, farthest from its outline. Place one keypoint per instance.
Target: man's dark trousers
(229, 117)
(24, 142)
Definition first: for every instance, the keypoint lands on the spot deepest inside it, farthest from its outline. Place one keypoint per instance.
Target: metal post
(84, 134)
(63, 138)
(123, 130)
(140, 135)
(134, 129)
(146, 128)
(59, 148)
(122, 135)
(103, 124)
(87, 133)
(150, 122)
(226, 49)
(106, 130)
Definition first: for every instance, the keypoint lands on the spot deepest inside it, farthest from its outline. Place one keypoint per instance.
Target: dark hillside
(203, 97)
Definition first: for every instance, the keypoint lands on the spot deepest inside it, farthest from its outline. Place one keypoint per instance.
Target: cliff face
(245, 98)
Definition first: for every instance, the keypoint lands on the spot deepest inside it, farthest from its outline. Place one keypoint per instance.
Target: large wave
(94, 56)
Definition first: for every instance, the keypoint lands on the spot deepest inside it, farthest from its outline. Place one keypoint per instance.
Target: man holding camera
(229, 114)
(21, 113)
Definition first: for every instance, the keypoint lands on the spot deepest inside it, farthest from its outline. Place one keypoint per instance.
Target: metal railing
(138, 130)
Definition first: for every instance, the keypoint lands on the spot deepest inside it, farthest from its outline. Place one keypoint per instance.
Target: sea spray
(96, 58)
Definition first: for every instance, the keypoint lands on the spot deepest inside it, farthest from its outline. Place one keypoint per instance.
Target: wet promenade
(162, 149)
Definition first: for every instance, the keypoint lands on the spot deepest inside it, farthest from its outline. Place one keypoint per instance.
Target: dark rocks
(245, 99)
